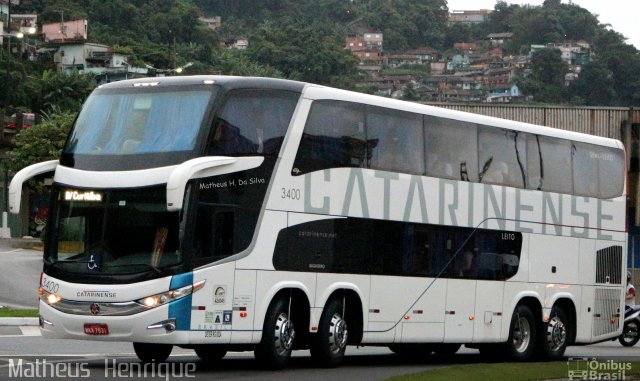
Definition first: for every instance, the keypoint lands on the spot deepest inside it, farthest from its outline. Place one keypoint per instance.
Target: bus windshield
(112, 232)
(137, 127)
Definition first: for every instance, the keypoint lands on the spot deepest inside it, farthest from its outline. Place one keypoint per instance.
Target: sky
(618, 13)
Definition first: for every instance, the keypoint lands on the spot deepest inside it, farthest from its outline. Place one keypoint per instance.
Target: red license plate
(96, 329)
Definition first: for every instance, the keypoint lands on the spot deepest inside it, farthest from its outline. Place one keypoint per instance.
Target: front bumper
(133, 328)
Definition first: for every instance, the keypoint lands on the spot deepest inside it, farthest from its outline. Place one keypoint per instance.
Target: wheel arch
(567, 304)
(300, 307)
(530, 299)
(354, 313)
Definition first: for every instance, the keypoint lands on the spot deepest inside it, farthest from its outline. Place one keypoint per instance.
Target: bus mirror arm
(203, 167)
(15, 188)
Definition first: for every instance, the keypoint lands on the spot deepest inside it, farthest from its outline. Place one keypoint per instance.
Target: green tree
(41, 142)
(237, 62)
(595, 85)
(546, 81)
(64, 92)
(299, 53)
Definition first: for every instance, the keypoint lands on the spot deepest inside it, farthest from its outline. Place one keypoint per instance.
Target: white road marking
(31, 331)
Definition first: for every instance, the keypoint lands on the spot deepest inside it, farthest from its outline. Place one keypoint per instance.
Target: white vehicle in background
(231, 214)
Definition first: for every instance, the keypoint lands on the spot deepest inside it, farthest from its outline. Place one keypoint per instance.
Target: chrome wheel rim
(338, 333)
(284, 334)
(521, 334)
(556, 334)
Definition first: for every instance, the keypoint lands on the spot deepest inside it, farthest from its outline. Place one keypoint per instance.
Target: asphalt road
(18, 288)
(99, 361)
(20, 275)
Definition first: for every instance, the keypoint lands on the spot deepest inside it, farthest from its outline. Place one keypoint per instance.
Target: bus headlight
(48, 297)
(170, 296)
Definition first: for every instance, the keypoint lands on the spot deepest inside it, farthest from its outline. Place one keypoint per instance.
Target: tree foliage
(299, 53)
(546, 82)
(41, 142)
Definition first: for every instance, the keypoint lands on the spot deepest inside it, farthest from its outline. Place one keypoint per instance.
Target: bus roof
(317, 92)
(228, 82)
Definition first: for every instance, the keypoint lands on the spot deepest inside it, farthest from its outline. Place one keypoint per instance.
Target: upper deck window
(136, 128)
(139, 123)
(252, 122)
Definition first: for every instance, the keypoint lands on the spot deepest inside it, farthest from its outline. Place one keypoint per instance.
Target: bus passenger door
(460, 310)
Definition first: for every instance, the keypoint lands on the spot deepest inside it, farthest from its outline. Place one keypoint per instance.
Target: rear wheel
(210, 353)
(630, 333)
(522, 335)
(554, 335)
(278, 333)
(152, 352)
(329, 344)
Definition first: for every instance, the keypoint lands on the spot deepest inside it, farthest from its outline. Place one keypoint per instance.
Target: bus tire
(554, 335)
(329, 344)
(278, 333)
(210, 353)
(522, 334)
(148, 353)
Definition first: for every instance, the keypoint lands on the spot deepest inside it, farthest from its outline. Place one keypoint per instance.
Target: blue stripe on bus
(181, 309)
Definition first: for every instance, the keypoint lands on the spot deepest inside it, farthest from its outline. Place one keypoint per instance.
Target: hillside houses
(469, 71)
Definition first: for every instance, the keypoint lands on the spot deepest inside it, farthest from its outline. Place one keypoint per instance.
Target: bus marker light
(243, 314)
(472, 317)
(407, 317)
(314, 328)
(545, 319)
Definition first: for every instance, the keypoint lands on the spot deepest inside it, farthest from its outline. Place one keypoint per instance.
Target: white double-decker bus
(234, 214)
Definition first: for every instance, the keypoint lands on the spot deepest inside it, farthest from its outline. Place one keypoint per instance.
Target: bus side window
(252, 122)
(451, 149)
(555, 171)
(502, 156)
(611, 172)
(585, 169)
(396, 141)
(333, 137)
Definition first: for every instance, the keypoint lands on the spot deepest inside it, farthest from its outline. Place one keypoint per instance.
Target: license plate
(96, 329)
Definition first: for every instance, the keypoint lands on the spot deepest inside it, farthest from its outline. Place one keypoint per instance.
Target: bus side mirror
(15, 188)
(203, 167)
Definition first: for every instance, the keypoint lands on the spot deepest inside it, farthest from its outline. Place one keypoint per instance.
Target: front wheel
(328, 347)
(522, 334)
(554, 335)
(630, 334)
(148, 353)
(278, 333)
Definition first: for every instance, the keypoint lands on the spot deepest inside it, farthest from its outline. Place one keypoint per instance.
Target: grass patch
(519, 372)
(10, 312)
